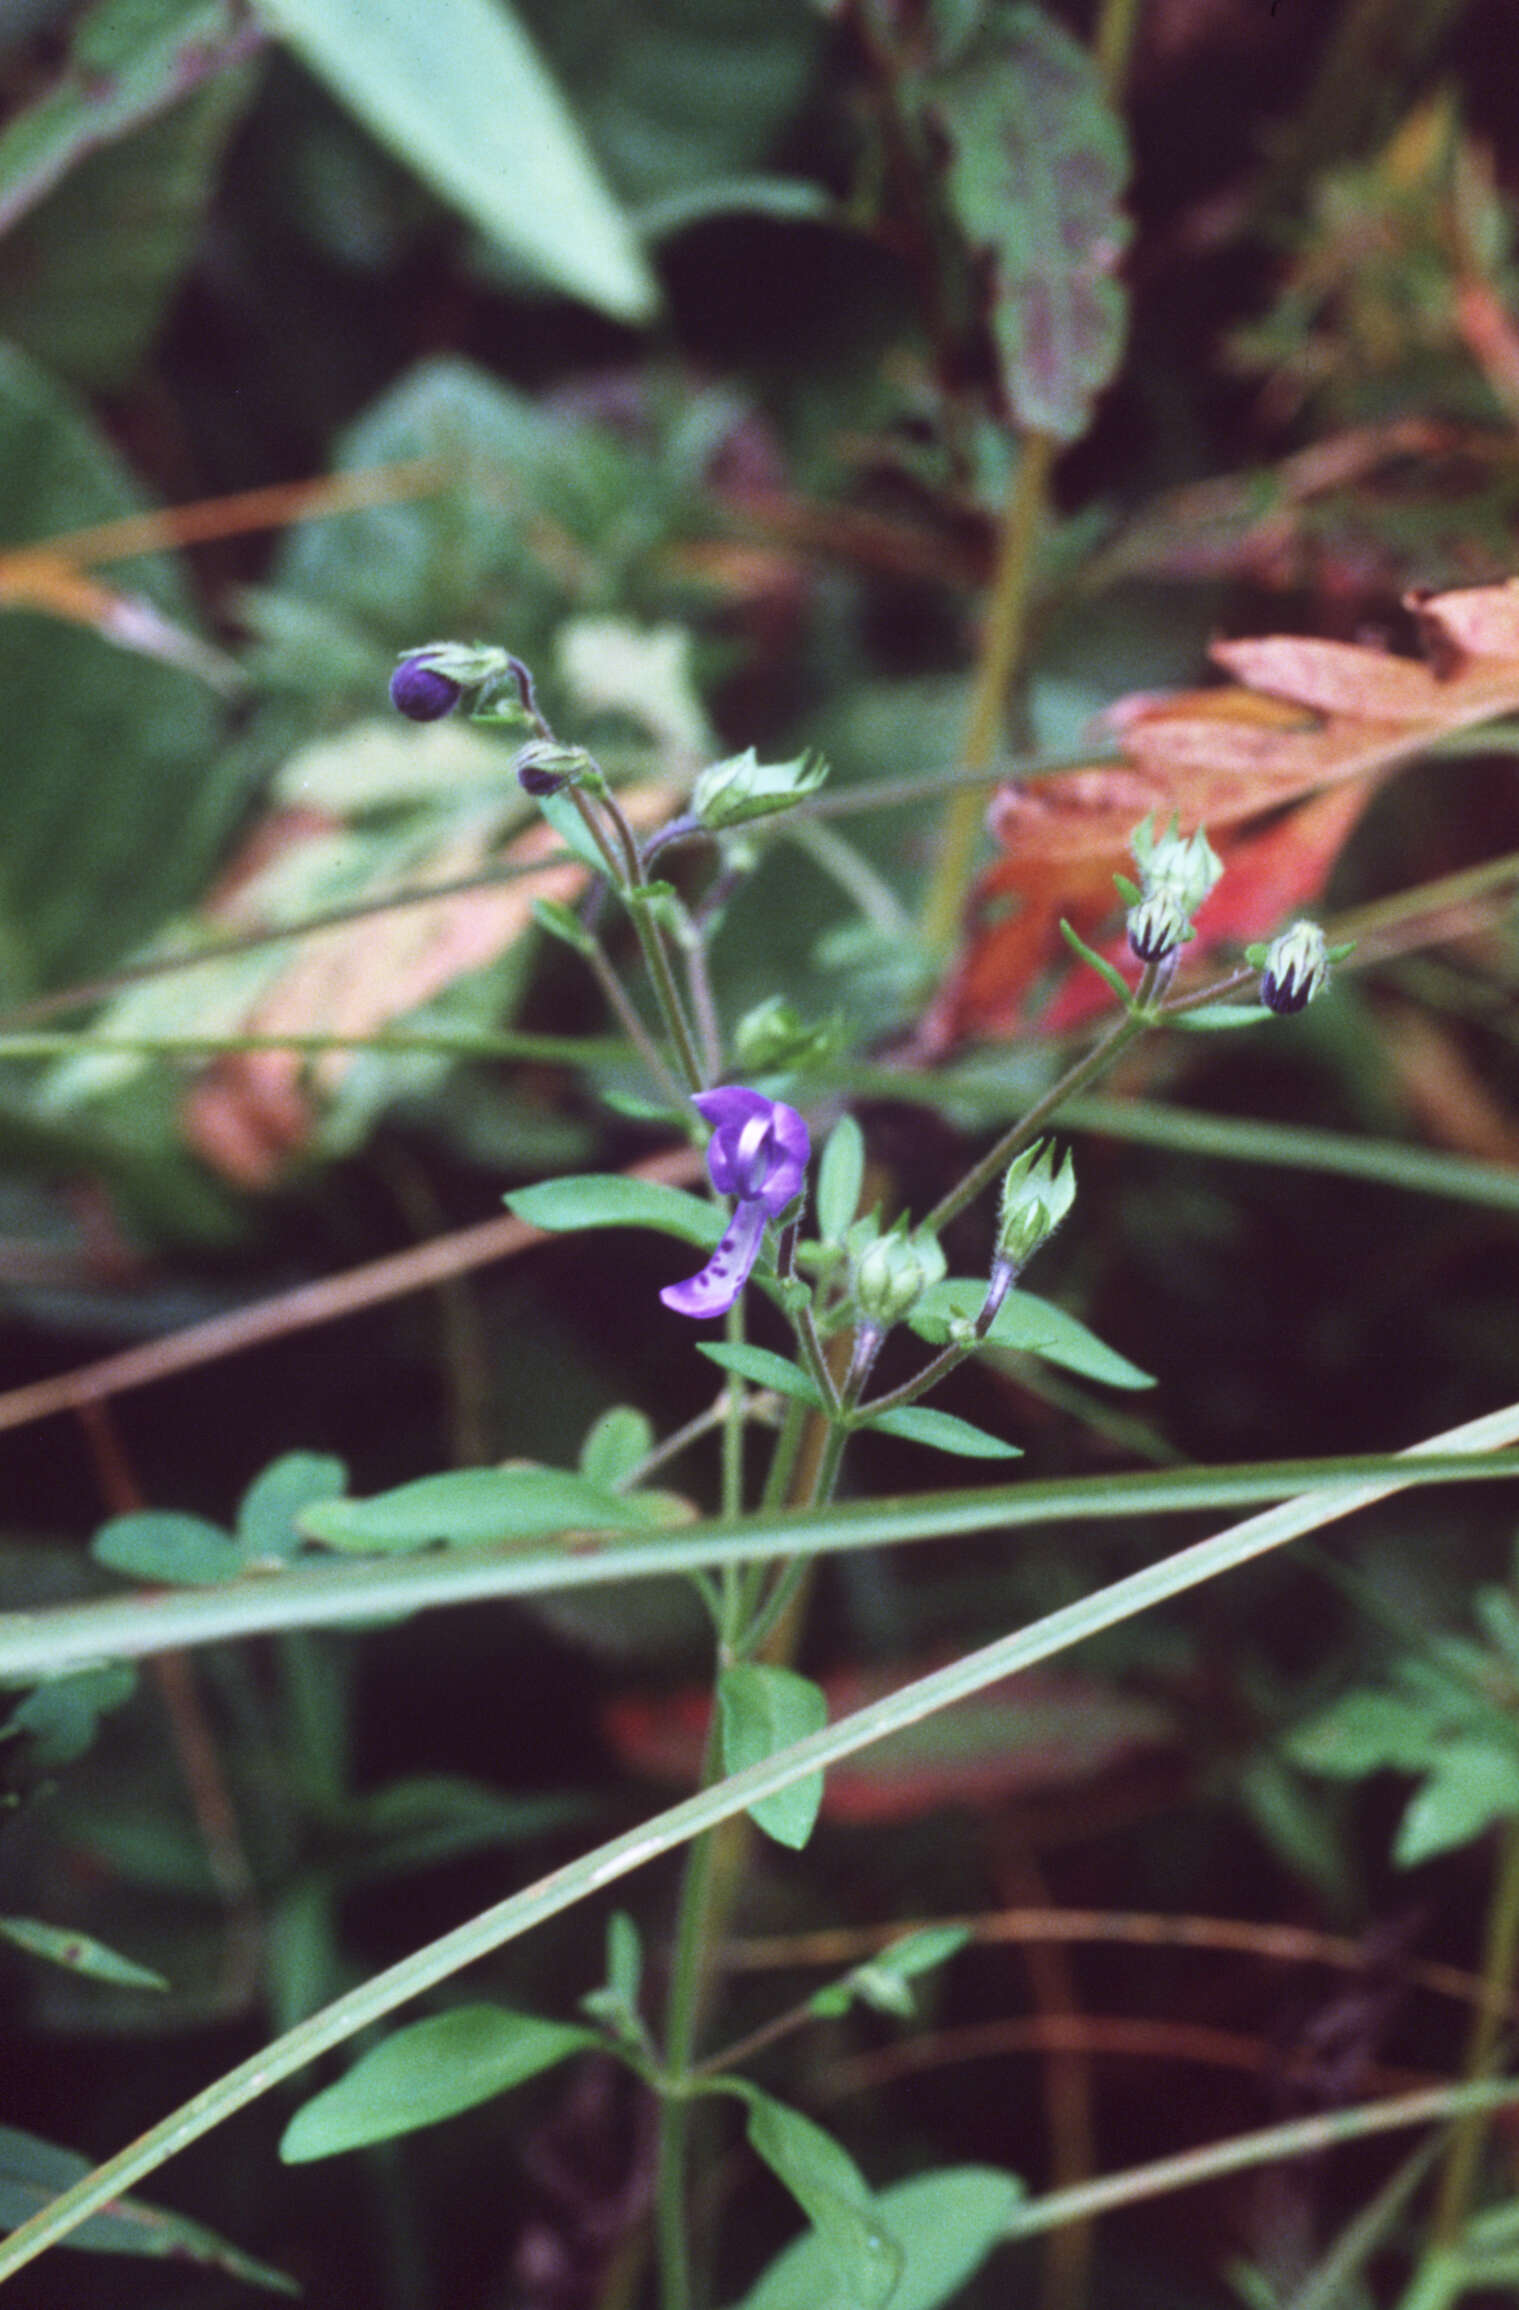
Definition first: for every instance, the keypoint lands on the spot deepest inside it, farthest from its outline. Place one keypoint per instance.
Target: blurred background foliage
(687, 347)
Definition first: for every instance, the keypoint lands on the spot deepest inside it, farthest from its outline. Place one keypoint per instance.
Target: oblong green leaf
(1031, 1325)
(1038, 159)
(459, 93)
(841, 1175)
(764, 1369)
(268, 1515)
(763, 1709)
(858, 2252)
(946, 2224)
(471, 1508)
(919, 1424)
(606, 1199)
(77, 1953)
(166, 1547)
(426, 2073)
(33, 2171)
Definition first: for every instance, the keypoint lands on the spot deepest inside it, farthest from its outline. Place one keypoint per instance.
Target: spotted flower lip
(758, 1154)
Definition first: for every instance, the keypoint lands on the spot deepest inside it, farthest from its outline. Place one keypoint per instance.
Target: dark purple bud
(421, 693)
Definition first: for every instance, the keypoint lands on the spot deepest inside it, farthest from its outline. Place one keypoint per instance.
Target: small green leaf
(33, 2171)
(1369, 1732)
(604, 1199)
(470, 1508)
(61, 1718)
(560, 812)
(618, 1444)
(919, 1425)
(764, 1369)
(841, 1174)
(615, 2004)
(473, 111)
(77, 1953)
(1214, 1018)
(1029, 1324)
(427, 2072)
(882, 1980)
(1099, 963)
(559, 921)
(946, 2224)
(268, 1516)
(857, 2251)
(1474, 1784)
(765, 1709)
(167, 1548)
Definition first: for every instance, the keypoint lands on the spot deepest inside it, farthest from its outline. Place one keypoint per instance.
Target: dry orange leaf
(1305, 733)
(253, 1110)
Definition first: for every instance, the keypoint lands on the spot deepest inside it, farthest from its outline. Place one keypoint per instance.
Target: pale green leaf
(857, 2250)
(604, 1199)
(166, 1548)
(763, 1709)
(765, 1369)
(920, 1424)
(460, 94)
(946, 2224)
(77, 1953)
(427, 2072)
(471, 1508)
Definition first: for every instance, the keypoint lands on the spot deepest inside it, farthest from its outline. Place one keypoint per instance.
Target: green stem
(1001, 647)
(687, 1983)
(1099, 1058)
(625, 873)
(1458, 2182)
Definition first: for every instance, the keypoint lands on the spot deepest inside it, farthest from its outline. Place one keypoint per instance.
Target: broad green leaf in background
(763, 1709)
(32, 2171)
(1037, 163)
(61, 1718)
(86, 278)
(456, 89)
(679, 96)
(113, 802)
(857, 2251)
(429, 2072)
(618, 1444)
(77, 1953)
(920, 1424)
(1472, 1785)
(946, 2225)
(128, 61)
(606, 1199)
(167, 1548)
(473, 1507)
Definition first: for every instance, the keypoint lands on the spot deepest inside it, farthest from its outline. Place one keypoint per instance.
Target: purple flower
(758, 1154)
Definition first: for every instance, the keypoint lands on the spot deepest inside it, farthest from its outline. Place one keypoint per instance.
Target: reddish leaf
(1304, 718)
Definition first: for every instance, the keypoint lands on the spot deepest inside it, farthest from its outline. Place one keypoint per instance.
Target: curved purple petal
(759, 1147)
(714, 1291)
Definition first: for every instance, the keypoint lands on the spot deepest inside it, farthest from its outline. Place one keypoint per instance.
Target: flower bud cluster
(1176, 874)
(893, 1272)
(429, 682)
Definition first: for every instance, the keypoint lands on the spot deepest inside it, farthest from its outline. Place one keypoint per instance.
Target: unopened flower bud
(893, 1273)
(775, 1035)
(1035, 1198)
(545, 767)
(733, 792)
(1175, 876)
(1296, 968)
(421, 693)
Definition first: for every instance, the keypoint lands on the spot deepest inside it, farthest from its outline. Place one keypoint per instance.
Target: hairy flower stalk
(758, 1154)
